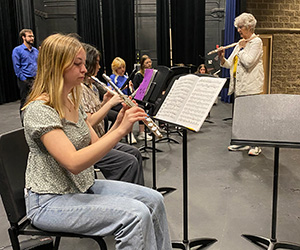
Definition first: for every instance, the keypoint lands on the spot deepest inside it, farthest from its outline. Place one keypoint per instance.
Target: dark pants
(24, 87)
(123, 163)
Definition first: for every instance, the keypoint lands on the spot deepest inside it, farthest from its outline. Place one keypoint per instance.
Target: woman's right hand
(128, 116)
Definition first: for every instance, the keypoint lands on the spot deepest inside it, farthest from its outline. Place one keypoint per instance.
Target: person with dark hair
(61, 191)
(123, 162)
(145, 63)
(246, 66)
(202, 69)
(24, 58)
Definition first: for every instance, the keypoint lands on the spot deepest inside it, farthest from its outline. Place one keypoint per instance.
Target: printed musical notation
(189, 100)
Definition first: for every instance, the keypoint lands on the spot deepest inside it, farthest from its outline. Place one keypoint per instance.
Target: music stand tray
(268, 121)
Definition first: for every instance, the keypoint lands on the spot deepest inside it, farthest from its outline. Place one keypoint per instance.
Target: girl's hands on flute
(128, 116)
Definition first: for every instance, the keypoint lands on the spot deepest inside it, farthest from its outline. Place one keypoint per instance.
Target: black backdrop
(89, 25)
(188, 31)
(187, 23)
(162, 32)
(119, 32)
(8, 40)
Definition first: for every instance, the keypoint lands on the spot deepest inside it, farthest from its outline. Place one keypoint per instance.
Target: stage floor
(230, 193)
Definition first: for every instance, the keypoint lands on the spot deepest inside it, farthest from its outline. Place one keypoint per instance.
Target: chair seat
(26, 228)
(13, 160)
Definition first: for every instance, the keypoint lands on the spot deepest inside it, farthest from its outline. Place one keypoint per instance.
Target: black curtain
(119, 32)
(9, 32)
(27, 14)
(89, 25)
(162, 32)
(188, 31)
(240, 8)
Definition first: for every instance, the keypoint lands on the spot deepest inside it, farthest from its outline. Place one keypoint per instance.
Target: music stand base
(208, 121)
(201, 243)
(168, 139)
(269, 244)
(144, 149)
(165, 190)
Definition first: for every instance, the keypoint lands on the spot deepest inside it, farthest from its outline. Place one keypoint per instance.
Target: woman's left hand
(106, 97)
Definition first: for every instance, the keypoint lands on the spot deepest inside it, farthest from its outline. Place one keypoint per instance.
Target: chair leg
(13, 235)
(100, 242)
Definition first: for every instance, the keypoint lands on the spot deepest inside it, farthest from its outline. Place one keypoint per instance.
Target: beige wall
(281, 19)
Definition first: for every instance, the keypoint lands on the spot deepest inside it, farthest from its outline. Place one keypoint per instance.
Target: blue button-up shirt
(25, 61)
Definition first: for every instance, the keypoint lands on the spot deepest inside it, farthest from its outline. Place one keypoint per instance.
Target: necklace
(69, 108)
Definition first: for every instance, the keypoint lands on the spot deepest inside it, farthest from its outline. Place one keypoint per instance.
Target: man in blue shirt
(24, 59)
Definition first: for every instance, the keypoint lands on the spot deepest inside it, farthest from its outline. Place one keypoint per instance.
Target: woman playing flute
(246, 66)
(61, 191)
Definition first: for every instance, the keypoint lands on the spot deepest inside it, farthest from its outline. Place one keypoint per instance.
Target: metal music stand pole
(162, 190)
(187, 244)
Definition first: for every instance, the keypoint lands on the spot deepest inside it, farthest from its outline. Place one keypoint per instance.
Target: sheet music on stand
(189, 100)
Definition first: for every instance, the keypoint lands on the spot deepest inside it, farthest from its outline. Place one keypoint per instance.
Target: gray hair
(247, 20)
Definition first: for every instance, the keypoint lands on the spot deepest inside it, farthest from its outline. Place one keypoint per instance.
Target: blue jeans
(134, 214)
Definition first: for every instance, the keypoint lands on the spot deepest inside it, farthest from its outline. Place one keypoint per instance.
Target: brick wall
(281, 18)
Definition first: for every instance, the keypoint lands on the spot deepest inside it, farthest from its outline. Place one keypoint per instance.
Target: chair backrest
(13, 161)
(179, 70)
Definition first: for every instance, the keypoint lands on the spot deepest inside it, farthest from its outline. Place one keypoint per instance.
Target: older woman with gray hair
(246, 66)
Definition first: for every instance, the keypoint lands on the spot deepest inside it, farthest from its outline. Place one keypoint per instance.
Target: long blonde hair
(57, 53)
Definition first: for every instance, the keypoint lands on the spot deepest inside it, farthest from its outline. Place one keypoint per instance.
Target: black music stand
(207, 93)
(154, 93)
(231, 98)
(162, 190)
(186, 243)
(176, 73)
(268, 121)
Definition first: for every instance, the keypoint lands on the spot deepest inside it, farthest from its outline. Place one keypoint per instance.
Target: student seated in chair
(61, 192)
(123, 162)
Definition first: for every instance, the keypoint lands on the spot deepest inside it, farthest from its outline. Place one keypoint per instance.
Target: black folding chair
(13, 161)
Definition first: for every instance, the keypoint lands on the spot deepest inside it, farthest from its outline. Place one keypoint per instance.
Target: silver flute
(148, 121)
(103, 85)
